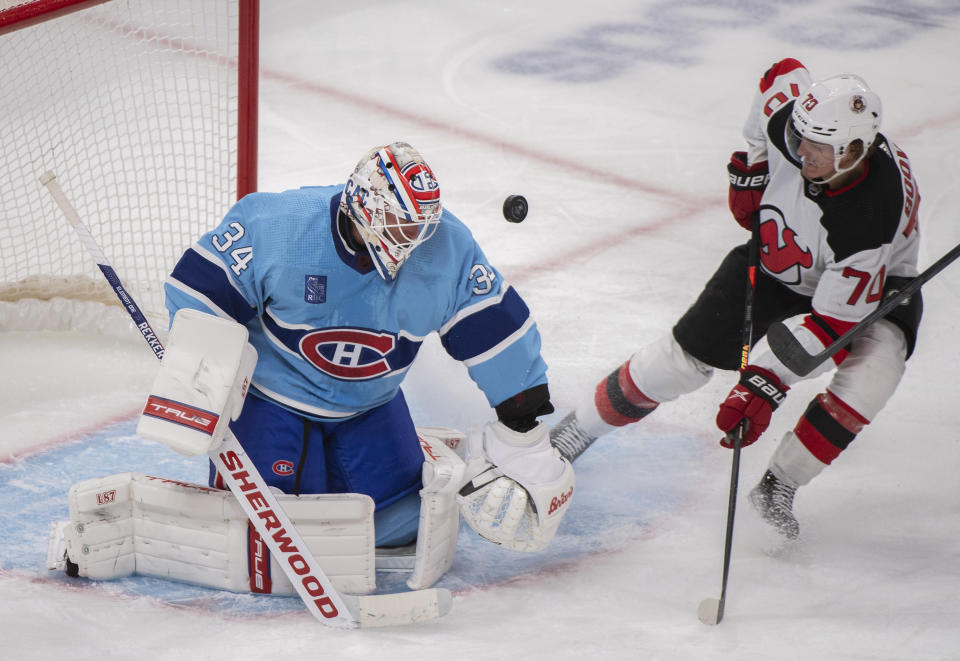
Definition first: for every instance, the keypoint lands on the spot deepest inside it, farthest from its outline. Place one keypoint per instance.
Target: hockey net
(146, 112)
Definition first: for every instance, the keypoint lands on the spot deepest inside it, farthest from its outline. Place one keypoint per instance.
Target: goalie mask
(393, 200)
(837, 112)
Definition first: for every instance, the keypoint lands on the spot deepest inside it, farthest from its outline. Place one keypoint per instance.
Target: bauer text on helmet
(836, 112)
(393, 200)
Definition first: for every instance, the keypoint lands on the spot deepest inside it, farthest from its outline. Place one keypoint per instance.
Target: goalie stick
(262, 507)
(798, 360)
(710, 610)
(49, 180)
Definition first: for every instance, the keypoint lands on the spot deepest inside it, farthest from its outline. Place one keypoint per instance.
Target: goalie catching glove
(518, 487)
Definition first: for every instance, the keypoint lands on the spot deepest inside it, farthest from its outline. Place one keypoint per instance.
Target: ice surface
(615, 119)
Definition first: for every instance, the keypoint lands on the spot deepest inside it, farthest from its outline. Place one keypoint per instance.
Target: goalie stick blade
(791, 353)
(385, 610)
(709, 611)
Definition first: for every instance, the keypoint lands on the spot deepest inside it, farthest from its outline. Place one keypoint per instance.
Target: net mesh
(133, 104)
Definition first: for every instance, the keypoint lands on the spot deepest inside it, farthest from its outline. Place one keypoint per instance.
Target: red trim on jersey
(836, 325)
(782, 67)
(845, 415)
(866, 169)
(842, 412)
(630, 392)
(815, 442)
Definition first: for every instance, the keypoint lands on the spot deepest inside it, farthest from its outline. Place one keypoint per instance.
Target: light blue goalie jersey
(335, 339)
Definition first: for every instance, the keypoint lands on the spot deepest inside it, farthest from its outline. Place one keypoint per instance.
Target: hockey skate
(774, 501)
(570, 438)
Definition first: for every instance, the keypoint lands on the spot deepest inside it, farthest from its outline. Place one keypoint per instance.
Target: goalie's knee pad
(439, 525)
(131, 523)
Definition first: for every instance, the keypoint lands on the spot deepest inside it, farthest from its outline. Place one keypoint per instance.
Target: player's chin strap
(518, 487)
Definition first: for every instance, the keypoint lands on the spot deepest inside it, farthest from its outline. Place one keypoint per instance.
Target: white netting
(133, 104)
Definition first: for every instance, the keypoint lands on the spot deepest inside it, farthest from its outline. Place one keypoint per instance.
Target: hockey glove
(517, 487)
(754, 400)
(746, 187)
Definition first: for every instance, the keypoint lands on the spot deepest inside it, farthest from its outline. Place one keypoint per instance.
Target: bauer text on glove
(747, 183)
(753, 399)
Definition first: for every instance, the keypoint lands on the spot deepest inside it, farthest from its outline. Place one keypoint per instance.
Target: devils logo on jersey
(780, 254)
(349, 353)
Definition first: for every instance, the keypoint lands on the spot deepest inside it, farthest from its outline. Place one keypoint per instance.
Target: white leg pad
(439, 525)
(131, 523)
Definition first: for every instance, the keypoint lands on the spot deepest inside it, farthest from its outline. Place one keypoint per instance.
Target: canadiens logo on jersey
(349, 353)
(780, 254)
(282, 467)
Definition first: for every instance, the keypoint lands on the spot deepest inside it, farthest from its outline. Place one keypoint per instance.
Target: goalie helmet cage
(146, 111)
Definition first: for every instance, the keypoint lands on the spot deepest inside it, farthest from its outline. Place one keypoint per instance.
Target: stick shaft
(799, 361)
(747, 342)
(49, 180)
(281, 537)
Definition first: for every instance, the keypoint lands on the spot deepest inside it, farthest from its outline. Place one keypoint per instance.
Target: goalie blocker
(132, 523)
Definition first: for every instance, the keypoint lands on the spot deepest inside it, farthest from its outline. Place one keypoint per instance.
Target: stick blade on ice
(709, 611)
(384, 610)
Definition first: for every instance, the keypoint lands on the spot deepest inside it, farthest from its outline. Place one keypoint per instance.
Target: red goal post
(146, 111)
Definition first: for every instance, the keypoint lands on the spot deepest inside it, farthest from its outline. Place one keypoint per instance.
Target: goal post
(146, 110)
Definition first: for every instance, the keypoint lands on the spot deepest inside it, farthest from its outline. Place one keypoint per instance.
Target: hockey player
(293, 323)
(837, 205)
(339, 287)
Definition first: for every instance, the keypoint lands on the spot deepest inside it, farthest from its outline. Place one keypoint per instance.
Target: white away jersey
(836, 246)
(333, 337)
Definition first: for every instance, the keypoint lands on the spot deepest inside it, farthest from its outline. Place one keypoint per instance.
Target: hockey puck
(515, 208)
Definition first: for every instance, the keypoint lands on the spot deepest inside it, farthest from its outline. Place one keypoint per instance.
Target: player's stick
(795, 356)
(710, 610)
(264, 510)
(49, 180)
